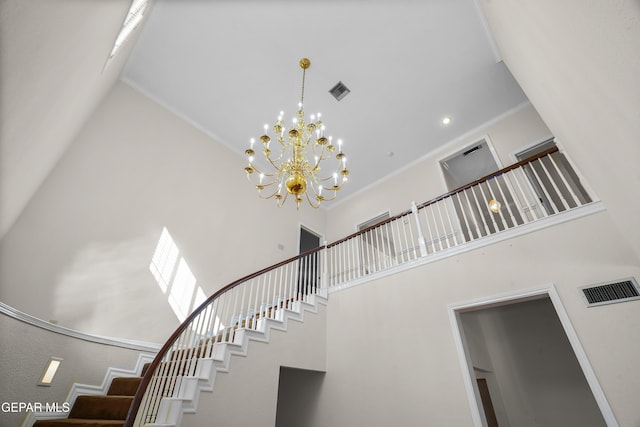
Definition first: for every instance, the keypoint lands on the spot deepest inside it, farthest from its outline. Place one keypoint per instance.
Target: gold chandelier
(296, 169)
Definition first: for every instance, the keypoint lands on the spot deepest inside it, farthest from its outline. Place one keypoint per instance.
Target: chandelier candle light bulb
(301, 151)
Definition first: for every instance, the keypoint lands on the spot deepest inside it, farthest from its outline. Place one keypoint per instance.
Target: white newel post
(325, 268)
(421, 241)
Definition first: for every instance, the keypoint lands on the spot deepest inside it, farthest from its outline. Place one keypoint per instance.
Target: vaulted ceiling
(229, 67)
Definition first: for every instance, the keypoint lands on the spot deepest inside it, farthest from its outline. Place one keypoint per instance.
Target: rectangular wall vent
(609, 293)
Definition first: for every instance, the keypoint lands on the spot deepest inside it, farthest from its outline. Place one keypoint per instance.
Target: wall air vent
(612, 292)
(471, 150)
(339, 91)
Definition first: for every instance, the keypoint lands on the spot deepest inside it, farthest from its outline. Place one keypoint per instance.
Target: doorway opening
(298, 394)
(469, 164)
(375, 247)
(523, 364)
(308, 265)
(554, 168)
(466, 166)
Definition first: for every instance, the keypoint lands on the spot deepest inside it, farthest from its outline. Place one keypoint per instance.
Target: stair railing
(533, 189)
(536, 188)
(247, 303)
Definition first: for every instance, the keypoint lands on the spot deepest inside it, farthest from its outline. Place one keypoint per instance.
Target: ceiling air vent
(339, 91)
(609, 293)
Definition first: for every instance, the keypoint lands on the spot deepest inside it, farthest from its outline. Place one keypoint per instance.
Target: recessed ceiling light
(446, 120)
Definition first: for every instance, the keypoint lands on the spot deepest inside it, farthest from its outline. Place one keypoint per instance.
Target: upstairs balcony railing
(537, 188)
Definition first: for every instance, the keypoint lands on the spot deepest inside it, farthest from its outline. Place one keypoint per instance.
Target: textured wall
(25, 351)
(80, 252)
(391, 358)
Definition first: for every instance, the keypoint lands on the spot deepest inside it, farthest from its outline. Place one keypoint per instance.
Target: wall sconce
(494, 205)
(50, 371)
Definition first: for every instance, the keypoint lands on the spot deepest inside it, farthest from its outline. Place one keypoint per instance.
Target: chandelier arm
(278, 160)
(328, 199)
(315, 206)
(252, 166)
(281, 202)
(270, 196)
(259, 172)
(274, 162)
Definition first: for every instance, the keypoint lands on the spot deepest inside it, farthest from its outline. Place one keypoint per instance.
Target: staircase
(197, 372)
(109, 410)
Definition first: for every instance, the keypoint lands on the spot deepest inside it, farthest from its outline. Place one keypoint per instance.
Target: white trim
(591, 208)
(487, 30)
(39, 323)
(91, 390)
(507, 298)
(485, 139)
(473, 396)
(514, 154)
(320, 236)
(478, 141)
(434, 153)
(589, 374)
(380, 215)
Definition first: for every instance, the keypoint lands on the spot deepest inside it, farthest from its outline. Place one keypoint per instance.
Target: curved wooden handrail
(490, 176)
(449, 194)
(146, 379)
(135, 406)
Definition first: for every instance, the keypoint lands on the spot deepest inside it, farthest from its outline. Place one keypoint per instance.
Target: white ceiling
(229, 67)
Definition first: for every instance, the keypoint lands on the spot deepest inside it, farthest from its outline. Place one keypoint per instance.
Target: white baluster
(544, 188)
(574, 197)
(554, 185)
(450, 216)
(508, 177)
(464, 215)
(481, 209)
(421, 242)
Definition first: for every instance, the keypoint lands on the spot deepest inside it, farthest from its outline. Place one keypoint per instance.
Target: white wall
(578, 62)
(247, 395)
(391, 358)
(424, 180)
(536, 371)
(52, 75)
(25, 351)
(80, 252)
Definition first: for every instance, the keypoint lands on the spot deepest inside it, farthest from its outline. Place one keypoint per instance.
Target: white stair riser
(190, 388)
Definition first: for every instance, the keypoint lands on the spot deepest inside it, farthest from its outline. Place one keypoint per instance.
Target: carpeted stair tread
(78, 422)
(124, 386)
(101, 407)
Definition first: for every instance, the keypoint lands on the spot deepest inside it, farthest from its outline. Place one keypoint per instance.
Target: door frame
(301, 226)
(464, 357)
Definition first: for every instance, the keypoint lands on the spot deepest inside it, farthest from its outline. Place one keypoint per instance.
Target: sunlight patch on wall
(182, 291)
(174, 277)
(164, 260)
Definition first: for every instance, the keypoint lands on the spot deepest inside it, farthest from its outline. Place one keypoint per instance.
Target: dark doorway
(298, 392)
(308, 265)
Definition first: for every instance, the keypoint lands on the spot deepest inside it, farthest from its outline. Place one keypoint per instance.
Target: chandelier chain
(304, 72)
